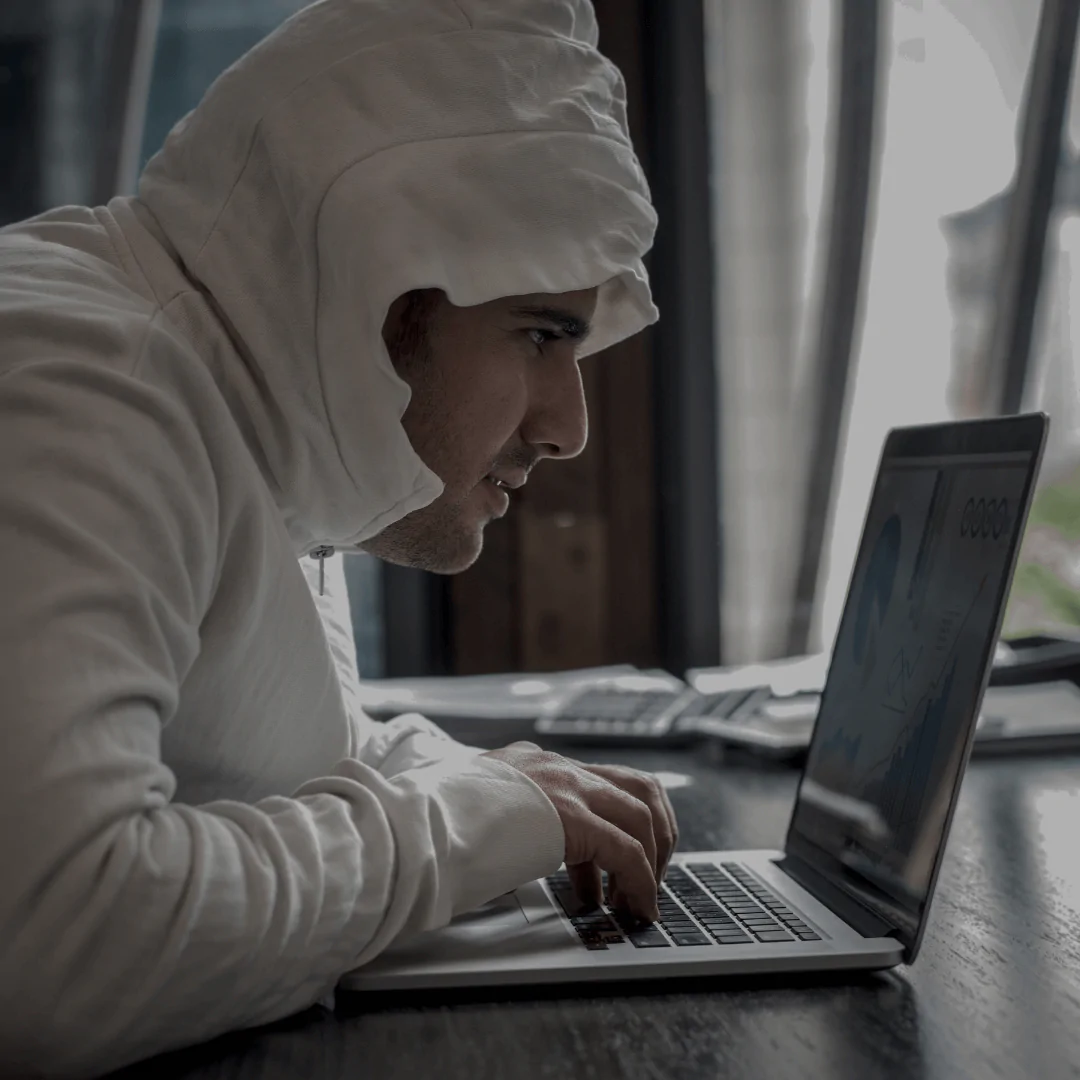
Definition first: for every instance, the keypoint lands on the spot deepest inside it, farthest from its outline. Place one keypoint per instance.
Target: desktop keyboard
(659, 717)
(711, 905)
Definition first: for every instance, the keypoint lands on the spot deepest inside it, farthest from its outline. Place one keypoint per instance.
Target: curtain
(768, 68)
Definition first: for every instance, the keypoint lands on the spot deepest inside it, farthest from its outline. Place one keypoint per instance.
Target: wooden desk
(994, 993)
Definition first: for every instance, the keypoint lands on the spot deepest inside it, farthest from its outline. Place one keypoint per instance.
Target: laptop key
(773, 935)
(807, 935)
(649, 939)
(691, 939)
(733, 939)
(569, 902)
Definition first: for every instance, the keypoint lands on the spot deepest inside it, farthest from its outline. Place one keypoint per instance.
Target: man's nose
(557, 422)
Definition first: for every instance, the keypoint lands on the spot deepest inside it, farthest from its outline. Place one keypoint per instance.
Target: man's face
(495, 388)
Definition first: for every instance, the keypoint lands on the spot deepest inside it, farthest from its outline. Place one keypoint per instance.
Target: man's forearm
(176, 924)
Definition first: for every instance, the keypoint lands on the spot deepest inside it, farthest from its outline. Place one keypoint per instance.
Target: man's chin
(444, 555)
(453, 564)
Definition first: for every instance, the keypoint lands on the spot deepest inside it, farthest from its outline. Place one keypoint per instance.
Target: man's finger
(673, 825)
(585, 879)
(630, 814)
(624, 856)
(647, 789)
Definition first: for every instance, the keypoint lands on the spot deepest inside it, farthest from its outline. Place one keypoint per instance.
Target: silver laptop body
(853, 885)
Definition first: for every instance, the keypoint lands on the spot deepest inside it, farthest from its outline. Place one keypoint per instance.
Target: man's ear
(408, 320)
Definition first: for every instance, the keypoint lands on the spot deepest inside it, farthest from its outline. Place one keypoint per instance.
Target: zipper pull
(322, 553)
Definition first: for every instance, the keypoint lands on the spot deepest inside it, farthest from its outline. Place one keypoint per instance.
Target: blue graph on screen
(876, 591)
(906, 773)
(840, 747)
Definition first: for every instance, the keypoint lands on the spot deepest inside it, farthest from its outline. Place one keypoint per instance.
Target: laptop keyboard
(711, 905)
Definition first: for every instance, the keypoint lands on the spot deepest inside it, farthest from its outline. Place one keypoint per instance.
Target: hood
(370, 147)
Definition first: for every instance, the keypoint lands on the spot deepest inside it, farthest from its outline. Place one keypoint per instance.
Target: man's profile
(345, 310)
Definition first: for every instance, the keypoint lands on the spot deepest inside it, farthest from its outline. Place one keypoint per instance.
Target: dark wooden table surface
(994, 993)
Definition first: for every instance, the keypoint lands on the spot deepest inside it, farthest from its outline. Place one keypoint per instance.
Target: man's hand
(615, 819)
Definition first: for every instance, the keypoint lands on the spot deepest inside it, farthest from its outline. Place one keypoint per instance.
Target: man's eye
(540, 338)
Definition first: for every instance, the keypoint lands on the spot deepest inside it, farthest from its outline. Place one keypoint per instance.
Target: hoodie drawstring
(322, 553)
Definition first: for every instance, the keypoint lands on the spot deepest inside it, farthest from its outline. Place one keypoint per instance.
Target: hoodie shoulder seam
(157, 313)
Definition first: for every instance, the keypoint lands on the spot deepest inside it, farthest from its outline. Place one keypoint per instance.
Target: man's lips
(507, 481)
(499, 494)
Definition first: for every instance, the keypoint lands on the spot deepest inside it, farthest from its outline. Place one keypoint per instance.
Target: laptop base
(526, 938)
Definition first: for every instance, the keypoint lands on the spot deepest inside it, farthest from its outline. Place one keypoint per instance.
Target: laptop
(853, 885)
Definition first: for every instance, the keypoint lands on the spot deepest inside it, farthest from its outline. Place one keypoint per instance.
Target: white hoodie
(198, 829)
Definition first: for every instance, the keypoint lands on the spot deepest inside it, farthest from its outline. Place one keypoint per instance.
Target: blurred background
(835, 181)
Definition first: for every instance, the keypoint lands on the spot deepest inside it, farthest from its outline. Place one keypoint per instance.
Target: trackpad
(499, 928)
(502, 918)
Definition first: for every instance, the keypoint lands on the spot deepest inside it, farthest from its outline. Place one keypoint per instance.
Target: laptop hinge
(855, 914)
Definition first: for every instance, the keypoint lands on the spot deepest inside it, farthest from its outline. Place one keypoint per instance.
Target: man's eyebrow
(570, 325)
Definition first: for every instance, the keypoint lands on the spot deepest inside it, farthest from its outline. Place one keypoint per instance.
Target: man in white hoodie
(345, 309)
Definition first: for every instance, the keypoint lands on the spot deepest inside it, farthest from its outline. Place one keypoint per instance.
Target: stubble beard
(436, 538)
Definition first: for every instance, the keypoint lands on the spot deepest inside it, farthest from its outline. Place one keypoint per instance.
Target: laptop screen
(908, 666)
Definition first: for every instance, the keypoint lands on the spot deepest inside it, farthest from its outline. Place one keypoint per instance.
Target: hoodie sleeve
(129, 923)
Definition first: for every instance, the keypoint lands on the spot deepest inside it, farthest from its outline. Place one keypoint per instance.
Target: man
(346, 309)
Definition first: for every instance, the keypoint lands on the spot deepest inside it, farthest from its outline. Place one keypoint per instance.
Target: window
(52, 65)
(956, 77)
(946, 128)
(951, 78)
